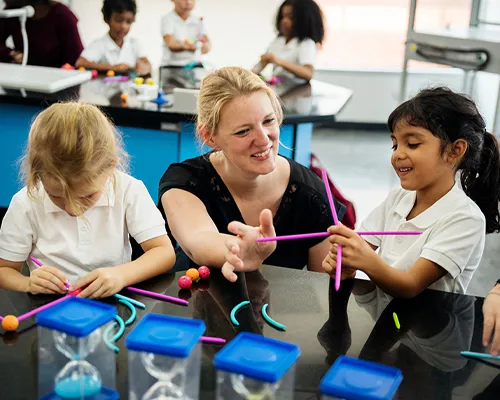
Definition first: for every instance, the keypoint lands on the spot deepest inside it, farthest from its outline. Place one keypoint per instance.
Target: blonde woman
(77, 210)
(243, 179)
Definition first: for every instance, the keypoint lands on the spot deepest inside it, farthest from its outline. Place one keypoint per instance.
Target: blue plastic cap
(257, 357)
(352, 378)
(166, 335)
(76, 316)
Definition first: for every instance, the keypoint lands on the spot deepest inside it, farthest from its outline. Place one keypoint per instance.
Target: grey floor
(359, 164)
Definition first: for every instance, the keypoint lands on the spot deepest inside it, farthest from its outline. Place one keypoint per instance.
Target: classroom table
(157, 136)
(434, 328)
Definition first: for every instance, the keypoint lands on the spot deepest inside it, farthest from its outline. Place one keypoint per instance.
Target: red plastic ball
(204, 272)
(185, 282)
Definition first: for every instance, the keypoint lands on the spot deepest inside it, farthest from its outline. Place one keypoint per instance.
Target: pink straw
(213, 340)
(293, 237)
(36, 261)
(39, 263)
(336, 222)
(42, 308)
(325, 234)
(157, 295)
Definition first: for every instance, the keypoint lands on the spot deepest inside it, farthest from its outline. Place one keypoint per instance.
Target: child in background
(53, 37)
(301, 30)
(183, 34)
(77, 210)
(116, 50)
(434, 135)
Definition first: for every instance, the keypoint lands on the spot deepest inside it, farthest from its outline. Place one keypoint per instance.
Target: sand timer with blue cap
(354, 379)
(164, 358)
(77, 363)
(254, 367)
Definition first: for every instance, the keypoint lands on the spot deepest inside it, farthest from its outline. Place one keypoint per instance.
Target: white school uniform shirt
(172, 24)
(105, 51)
(77, 245)
(453, 236)
(301, 53)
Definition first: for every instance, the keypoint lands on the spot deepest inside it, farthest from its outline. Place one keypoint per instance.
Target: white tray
(40, 79)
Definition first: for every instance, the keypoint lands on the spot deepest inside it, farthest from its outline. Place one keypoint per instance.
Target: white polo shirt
(172, 24)
(105, 51)
(454, 230)
(76, 245)
(301, 53)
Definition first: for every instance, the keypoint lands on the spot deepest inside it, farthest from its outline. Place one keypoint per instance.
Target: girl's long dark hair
(308, 20)
(451, 116)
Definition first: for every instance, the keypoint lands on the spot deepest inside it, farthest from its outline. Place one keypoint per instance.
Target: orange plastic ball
(124, 96)
(10, 323)
(193, 274)
(110, 73)
(81, 69)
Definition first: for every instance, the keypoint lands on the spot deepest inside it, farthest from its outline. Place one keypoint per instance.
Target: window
(372, 33)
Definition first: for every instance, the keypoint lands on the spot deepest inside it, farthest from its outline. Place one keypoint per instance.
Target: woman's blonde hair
(70, 141)
(222, 86)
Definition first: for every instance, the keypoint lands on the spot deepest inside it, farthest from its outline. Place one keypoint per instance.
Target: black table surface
(311, 102)
(435, 327)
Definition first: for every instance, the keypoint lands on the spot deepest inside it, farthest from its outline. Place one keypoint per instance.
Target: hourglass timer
(76, 363)
(164, 358)
(253, 367)
(350, 378)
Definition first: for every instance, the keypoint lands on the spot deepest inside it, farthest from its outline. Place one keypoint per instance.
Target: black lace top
(303, 209)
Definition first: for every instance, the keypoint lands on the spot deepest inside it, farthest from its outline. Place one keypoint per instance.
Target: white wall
(376, 93)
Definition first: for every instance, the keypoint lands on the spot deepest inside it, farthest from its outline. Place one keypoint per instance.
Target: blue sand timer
(72, 330)
(164, 358)
(253, 367)
(353, 379)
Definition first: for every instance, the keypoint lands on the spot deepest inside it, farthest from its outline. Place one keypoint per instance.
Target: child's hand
(356, 252)
(330, 265)
(123, 68)
(142, 67)
(243, 253)
(47, 280)
(491, 313)
(189, 46)
(101, 282)
(269, 58)
(17, 56)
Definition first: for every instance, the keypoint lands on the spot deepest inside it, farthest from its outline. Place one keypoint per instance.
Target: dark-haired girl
(434, 135)
(301, 30)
